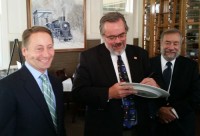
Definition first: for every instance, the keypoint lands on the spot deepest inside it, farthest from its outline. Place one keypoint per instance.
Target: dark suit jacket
(94, 75)
(184, 95)
(23, 109)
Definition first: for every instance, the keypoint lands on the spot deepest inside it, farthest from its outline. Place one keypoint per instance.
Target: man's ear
(24, 50)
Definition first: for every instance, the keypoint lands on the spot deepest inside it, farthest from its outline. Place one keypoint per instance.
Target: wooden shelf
(181, 14)
(194, 23)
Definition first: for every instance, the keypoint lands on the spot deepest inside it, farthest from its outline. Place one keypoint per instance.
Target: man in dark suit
(176, 113)
(24, 111)
(97, 82)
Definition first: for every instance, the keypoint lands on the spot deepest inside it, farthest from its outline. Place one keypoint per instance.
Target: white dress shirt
(163, 64)
(124, 58)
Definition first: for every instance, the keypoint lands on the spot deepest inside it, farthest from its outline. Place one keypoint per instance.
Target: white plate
(148, 91)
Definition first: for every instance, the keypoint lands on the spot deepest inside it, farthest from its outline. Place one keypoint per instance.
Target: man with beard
(97, 81)
(176, 116)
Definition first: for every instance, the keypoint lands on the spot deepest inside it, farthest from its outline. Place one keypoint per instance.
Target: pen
(150, 75)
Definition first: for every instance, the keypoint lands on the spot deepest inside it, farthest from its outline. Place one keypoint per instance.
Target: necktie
(130, 113)
(49, 97)
(167, 74)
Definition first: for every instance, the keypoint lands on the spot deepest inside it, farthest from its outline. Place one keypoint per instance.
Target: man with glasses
(176, 116)
(99, 81)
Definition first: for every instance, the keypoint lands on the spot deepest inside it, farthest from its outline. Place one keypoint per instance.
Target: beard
(113, 48)
(169, 55)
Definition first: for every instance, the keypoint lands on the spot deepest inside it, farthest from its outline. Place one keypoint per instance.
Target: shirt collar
(114, 56)
(164, 61)
(36, 74)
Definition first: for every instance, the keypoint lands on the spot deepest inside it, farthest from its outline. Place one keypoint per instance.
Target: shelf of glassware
(193, 30)
(192, 41)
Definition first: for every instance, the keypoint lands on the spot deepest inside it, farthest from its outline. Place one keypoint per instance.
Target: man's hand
(149, 81)
(166, 115)
(118, 91)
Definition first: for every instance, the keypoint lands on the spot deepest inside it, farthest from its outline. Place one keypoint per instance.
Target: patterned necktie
(49, 97)
(167, 74)
(130, 113)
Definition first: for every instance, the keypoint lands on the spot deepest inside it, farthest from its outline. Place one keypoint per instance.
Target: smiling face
(171, 46)
(39, 51)
(115, 36)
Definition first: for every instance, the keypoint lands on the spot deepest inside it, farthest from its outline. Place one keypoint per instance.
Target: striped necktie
(128, 104)
(49, 97)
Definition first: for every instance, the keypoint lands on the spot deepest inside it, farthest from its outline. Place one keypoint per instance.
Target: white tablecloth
(67, 85)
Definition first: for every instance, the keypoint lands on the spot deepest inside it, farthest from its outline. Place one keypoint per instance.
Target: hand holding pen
(149, 81)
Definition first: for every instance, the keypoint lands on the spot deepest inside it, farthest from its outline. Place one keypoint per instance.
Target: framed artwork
(65, 18)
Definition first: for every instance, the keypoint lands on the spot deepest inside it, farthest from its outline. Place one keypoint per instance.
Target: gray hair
(171, 31)
(111, 17)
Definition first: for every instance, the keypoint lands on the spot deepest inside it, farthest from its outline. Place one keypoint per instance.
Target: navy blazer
(184, 94)
(23, 109)
(94, 75)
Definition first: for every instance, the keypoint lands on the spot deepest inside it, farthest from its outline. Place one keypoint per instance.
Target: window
(123, 6)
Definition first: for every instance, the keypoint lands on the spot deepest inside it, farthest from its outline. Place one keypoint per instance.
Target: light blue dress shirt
(36, 74)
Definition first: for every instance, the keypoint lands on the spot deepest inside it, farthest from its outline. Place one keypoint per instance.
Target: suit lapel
(59, 100)
(106, 62)
(54, 87)
(134, 61)
(159, 66)
(33, 89)
(175, 73)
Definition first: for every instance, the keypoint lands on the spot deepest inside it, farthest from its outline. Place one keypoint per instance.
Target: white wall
(94, 13)
(13, 21)
(4, 56)
(17, 18)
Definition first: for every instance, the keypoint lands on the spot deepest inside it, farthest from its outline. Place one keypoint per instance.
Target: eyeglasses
(114, 37)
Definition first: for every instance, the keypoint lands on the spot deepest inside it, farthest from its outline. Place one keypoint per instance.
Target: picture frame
(65, 18)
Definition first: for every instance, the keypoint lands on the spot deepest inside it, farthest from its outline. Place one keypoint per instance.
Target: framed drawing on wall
(65, 18)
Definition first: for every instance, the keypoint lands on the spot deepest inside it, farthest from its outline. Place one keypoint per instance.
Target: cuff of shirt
(175, 113)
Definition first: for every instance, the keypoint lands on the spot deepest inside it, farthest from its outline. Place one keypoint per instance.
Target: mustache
(117, 44)
(172, 56)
